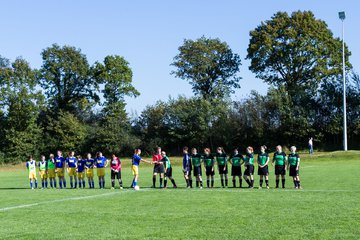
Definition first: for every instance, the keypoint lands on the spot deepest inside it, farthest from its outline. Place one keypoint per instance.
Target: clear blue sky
(148, 33)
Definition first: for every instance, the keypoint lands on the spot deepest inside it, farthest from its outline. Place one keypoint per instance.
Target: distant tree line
(70, 104)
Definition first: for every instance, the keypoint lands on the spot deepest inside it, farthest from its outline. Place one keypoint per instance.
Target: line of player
(78, 168)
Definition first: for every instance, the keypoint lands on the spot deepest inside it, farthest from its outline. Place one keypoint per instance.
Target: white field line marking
(67, 199)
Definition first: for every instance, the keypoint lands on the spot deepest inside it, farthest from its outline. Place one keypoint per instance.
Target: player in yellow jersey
(31, 166)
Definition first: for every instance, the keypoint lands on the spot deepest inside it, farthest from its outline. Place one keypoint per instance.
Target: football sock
(252, 183)
(298, 183)
(64, 182)
(187, 183)
(261, 183)
(89, 183)
(165, 182)
(173, 182)
(295, 183)
(71, 182)
(76, 183)
(277, 183)
(234, 183)
(31, 184)
(208, 183)
(212, 183)
(240, 182)
(267, 182)
(83, 183)
(60, 183)
(103, 183)
(201, 184)
(154, 181)
(120, 182)
(46, 183)
(80, 184)
(222, 182)
(51, 183)
(197, 183)
(248, 182)
(226, 182)
(161, 182)
(190, 182)
(36, 184)
(283, 183)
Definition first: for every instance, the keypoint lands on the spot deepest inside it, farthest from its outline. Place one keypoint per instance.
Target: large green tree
(209, 65)
(295, 51)
(67, 79)
(20, 102)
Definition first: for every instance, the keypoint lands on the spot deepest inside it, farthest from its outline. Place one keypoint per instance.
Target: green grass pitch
(327, 208)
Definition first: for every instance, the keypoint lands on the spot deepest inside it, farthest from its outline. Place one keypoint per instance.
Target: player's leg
(112, 177)
(283, 180)
(226, 180)
(222, 179)
(154, 177)
(261, 181)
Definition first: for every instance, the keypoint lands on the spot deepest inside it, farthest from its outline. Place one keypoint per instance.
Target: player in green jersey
(196, 163)
(280, 165)
(209, 163)
(168, 170)
(249, 166)
(51, 170)
(221, 160)
(263, 169)
(235, 161)
(294, 165)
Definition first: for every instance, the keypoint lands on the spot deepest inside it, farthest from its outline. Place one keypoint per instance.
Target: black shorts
(280, 170)
(209, 171)
(197, 171)
(187, 172)
(159, 168)
(263, 171)
(293, 171)
(115, 174)
(221, 169)
(249, 170)
(236, 171)
(168, 172)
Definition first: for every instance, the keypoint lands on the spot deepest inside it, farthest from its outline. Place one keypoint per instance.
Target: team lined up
(77, 168)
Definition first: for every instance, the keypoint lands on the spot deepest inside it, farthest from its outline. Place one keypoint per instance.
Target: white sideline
(64, 200)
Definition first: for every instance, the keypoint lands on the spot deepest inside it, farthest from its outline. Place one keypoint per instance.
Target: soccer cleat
(260, 187)
(121, 187)
(267, 187)
(200, 187)
(112, 188)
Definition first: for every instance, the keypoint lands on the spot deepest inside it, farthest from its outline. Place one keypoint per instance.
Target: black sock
(226, 182)
(222, 182)
(154, 181)
(190, 182)
(161, 182)
(208, 183)
(277, 183)
(240, 182)
(165, 182)
(201, 183)
(283, 183)
(234, 183)
(197, 183)
(298, 183)
(187, 182)
(120, 182)
(252, 183)
(261, 183)
(295, 183)
(267, 182)
(248, 182)
(173, 182)
(113, 183)
(212, 182)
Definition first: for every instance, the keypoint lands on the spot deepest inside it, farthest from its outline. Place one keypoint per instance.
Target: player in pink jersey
(115, 166)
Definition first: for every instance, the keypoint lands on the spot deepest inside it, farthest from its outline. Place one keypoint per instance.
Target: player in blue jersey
(89, 166)
(71, 162)
(59, 168)
(187, 167)
(80, 171)
(101, 163)
(135, 162)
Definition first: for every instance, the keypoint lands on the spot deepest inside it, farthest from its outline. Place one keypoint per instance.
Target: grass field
(327, 208)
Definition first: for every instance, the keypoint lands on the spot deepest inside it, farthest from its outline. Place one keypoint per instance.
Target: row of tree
(70, 104)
